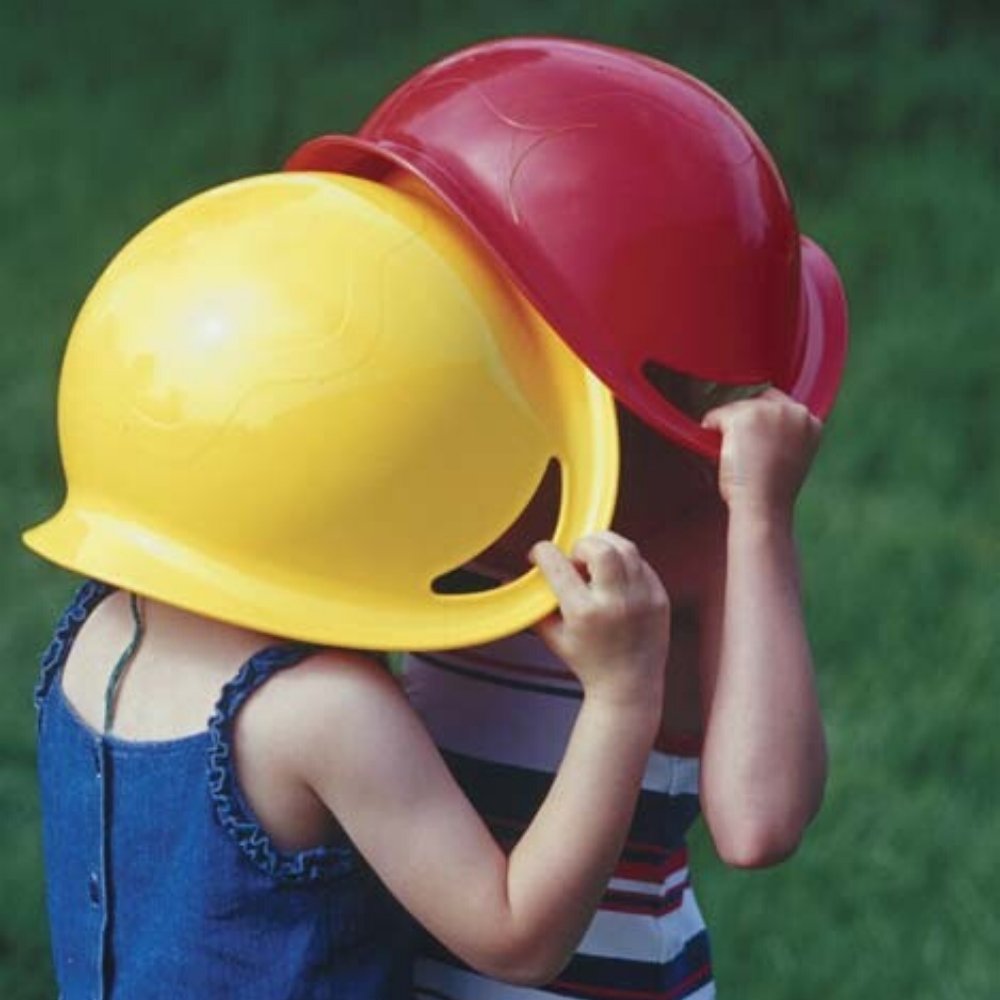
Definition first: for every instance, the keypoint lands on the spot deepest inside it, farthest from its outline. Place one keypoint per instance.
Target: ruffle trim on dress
(317, 864)
(87, 597)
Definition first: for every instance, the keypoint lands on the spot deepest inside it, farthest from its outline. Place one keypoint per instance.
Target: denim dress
(160, 882)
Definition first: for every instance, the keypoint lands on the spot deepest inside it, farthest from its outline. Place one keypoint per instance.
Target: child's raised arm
(369, 759)
(764, 756)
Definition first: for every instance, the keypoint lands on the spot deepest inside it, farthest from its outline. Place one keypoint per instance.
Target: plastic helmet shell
(632, 204)
(292, 402)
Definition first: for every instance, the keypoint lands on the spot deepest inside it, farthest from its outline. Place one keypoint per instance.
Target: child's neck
(171, 684)
(175, 633)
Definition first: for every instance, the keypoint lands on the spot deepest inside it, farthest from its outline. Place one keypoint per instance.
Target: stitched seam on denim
(87, 597)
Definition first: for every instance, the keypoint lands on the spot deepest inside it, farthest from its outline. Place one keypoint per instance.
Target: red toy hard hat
(634, 207)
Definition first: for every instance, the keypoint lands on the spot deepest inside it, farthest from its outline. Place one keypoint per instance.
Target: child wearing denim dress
(235, 803)
(161, 881)
(208, 863)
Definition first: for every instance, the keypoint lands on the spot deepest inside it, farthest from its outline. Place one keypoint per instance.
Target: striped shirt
(501, 715)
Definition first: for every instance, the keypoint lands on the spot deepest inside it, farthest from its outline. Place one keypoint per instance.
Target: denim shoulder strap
(233, 813)
(54, 658)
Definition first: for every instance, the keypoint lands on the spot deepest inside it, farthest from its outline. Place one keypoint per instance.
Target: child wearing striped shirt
(741, 738)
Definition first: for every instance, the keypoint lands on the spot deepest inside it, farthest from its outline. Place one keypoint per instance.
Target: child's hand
(613, 624)
(768, 444)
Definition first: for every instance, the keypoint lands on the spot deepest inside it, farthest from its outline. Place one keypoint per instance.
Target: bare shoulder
(305, 732)
(325, 691)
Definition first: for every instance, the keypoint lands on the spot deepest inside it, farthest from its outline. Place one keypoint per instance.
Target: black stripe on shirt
(602, 978)
(508, 797)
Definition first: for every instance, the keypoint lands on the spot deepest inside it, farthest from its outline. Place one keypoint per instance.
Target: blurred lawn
(885, 117)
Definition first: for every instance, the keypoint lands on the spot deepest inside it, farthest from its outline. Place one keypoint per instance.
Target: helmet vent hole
(508, 556)
(695, 396)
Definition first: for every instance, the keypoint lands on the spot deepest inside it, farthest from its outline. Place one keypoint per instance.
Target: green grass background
(885, 117)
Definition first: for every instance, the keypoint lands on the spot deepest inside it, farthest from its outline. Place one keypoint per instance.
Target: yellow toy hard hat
(294, 401)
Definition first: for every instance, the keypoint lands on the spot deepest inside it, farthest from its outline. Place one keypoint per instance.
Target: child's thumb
(551, 630)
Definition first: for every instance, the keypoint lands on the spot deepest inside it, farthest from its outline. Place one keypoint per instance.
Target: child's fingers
(604, 564)
(775, 395)
(634, 578)
(626, 549)
(655, 587)
(551, 629)
(563, 577)
(717, 419)
(720, 418)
